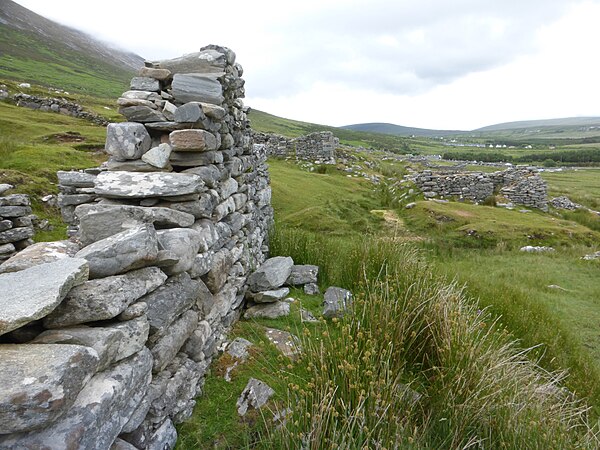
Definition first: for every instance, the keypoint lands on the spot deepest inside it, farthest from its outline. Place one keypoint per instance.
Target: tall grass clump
(416, 364)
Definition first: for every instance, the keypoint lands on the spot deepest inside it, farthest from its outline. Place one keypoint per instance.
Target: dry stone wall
(105, 338)
(16, 222)
(319, 146)
(521, 186)
(57, 105)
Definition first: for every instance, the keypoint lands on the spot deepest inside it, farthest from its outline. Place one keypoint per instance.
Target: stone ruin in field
(105, 338)
(316, 147)
(520, 186)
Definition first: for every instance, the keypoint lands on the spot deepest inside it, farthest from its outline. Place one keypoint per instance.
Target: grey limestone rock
(164, 438)
(216, 278)
(124, 251)
(40, 383)
(76, 179)
(191, 159)
(105, 341)
(205, 61)
(185, 243)
(268, 296)
(190, 112)
(99, 413)
(302, 274)
(142, 114)
(144, 83)
(286, 343)
(209, 174)
(104, 298)
(14, 211)
(268, 311)
(158, 156)
(99, 221)
(165, 349)
(169, 301)
(311, 289)
(198, 87)
(255, 395)
(143, 185)
(133, 165)
(336, 301)
(271, 274)
(238, 348)
(127, 140)
(40, 253)
(15, 200)
(15, 234)
(33, 293)
(5, 187)
(135, 334)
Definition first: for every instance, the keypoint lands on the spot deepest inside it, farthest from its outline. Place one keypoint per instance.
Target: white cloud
(428, 63)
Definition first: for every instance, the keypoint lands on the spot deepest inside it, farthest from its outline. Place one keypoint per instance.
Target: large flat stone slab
(33, 293)
(128, 250)
(104, 298)
(198, 87)
(204, 61)
(143, 185)
(97, 222)
(40, 383)
(40, 253)
(99, 413)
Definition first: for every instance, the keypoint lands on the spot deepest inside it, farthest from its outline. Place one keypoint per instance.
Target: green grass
(24, 57)
(30, 157)
(453, 224)
(329, 203)
(581, 185)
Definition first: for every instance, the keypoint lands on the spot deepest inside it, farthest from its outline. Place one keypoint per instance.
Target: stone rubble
(57, 105)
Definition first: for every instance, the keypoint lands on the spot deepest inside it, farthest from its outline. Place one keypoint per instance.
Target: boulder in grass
(268, 311)
(336, 302)
(255, 395)
(268, 296)
(302, 274)
(271, 275)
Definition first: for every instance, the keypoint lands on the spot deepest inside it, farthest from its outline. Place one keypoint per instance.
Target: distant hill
(37, 50)
(268, 123)
(581, 129)
(398, 130)
(564, 122)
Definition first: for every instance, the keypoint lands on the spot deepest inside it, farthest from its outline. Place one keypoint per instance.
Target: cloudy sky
(443, 64)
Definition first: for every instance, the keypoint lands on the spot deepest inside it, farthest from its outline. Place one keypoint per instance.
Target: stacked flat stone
(521, 186)
(16, 222)
(319, 147)
(127, 316)
(269, 285)
(76, 188)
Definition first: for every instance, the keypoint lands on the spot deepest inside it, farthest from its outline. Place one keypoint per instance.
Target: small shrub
(489, 201)
(549, 163)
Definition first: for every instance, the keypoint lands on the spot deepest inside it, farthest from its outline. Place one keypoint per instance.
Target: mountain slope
(398, 130)
(563, 122)
(38, 50)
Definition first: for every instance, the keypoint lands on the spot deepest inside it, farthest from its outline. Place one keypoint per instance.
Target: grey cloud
(347, 44)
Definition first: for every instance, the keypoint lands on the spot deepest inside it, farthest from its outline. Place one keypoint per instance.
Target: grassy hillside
(268, 123)
(398, 130)
(24, 57)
